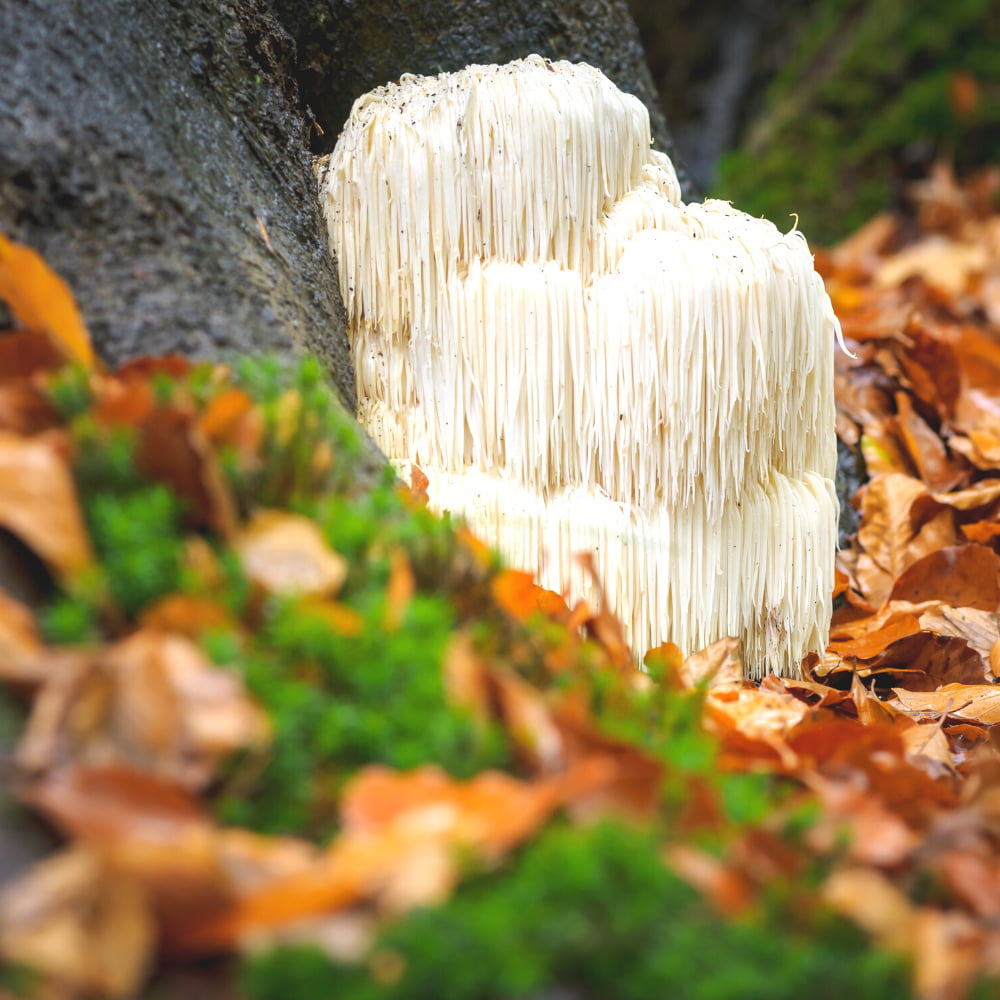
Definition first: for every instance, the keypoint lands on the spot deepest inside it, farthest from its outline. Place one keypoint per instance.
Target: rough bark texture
(158, 154)
(142, 149)
(346, 48)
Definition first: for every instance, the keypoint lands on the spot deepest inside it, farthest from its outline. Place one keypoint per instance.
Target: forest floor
(271, 714)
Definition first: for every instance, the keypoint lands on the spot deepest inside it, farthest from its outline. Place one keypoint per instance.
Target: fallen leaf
(869, 898)
(402, 839)
(399, 590)
(172, 449)
(186, 614)
(975, 879)
(41, 301)
(946, 951)
(287, 553)
(870, 644)
(718, 665)
(78, 923)
(727, 890)
(960, 575)
(936, 468)
(980, 629)
(20, 642)
(38, 502)
(518, 594)
(898, 527)
(152, 702)
(976, 702)
(115, 803)
(942, 263)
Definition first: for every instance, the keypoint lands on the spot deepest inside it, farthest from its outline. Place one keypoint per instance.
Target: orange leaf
(400, 589)
(519, 595)
(871, 644)
(960, 575)
(41, 302)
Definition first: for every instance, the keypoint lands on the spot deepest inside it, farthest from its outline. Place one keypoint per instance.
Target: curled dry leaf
(287, 553)
(895, 532)
(172, 449)
(152, 702)
(79, 924)
(38, 502)
(718, 665)
(975, 702)
(20, 643)
(980, 629)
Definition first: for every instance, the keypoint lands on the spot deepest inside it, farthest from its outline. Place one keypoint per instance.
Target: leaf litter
(133, 733)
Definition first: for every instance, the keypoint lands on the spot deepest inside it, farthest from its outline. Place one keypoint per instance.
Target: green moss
(864, 83)
(340, 701)
(597, 911)
(312, 446)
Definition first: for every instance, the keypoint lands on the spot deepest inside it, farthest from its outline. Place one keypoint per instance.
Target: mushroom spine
(578, 360)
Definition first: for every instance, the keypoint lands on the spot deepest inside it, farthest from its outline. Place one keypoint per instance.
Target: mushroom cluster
(578, 361)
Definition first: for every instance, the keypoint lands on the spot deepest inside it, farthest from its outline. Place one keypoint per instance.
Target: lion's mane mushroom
(579, 361)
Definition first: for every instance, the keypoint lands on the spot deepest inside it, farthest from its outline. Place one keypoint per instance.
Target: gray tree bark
(158, 154)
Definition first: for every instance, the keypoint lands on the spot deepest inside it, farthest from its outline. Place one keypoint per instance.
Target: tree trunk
(159, 154)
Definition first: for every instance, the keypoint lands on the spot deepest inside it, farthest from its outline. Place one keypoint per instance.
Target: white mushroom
(579, 361)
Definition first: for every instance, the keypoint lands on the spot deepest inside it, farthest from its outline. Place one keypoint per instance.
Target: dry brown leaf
(172, 449)
(38, 502)
(399, 590)
(869, 644)
(923, 662)
(946, 949)
(900, 524)
(986, 491)
(942, 263)
(402, 840)
(518, 594)
(20, 643)
(718, 665)
(116, 804)
(152, 701)
(926, 449)
(976, 702)
(287, 553)
(80, 924)
(975, 879)
(878, 835)
(186, 614)
(980, 629)
(960, 575)
(871, 900)
(528, 721)
(728, 891)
